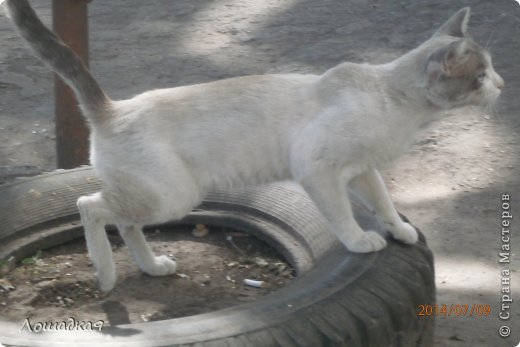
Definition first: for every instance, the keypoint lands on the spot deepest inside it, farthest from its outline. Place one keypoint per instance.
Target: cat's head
(456, 70)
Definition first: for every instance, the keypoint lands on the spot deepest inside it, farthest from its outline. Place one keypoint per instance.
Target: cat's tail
(93, 101)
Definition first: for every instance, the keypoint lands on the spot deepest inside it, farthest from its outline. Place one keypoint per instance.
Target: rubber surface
(338, 299)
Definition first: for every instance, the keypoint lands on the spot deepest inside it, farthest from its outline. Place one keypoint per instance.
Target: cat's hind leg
(149, 263)
(329, 193)
(372, 187)
(139, 198)
(95, 214)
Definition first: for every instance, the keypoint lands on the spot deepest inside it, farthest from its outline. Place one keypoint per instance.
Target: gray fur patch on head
(456, 73)
(458, 59)
(464, 58)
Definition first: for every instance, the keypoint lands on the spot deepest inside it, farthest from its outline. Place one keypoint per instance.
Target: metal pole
(70, 22)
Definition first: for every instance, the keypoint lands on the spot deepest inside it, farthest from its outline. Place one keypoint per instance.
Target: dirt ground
(450, 183)
(59, 283)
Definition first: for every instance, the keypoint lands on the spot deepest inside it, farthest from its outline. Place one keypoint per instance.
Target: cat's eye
(481, 77)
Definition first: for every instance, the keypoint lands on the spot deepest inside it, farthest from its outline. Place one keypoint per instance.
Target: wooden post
(70, 22)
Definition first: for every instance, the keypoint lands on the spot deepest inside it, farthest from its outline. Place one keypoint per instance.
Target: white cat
(160, 152)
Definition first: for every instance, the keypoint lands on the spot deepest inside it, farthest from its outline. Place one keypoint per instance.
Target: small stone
(146, 317)
(5, 285)
(200, 230)
(45, 283)
(260, 262)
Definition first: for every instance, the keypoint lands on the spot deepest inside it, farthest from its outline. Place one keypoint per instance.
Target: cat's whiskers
(489, 43)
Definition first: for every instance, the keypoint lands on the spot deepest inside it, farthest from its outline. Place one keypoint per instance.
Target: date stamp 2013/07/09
(454, 310)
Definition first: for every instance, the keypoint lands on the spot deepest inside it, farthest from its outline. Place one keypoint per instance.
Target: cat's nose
(499, 82)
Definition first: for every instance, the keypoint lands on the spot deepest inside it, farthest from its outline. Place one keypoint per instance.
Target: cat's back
(244, 123)
(245, 93)
(350, 78)
(253, 106)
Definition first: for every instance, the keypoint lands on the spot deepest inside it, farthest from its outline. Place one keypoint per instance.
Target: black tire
(338, 299)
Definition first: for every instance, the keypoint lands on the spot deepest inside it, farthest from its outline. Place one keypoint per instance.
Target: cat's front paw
(161, 266)
(405, 233)
(370, 241)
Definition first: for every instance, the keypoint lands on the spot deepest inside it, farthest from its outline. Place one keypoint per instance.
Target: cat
(160, 152)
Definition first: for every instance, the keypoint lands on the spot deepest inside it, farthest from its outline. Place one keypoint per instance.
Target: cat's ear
(457, 25)
(443, 61)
